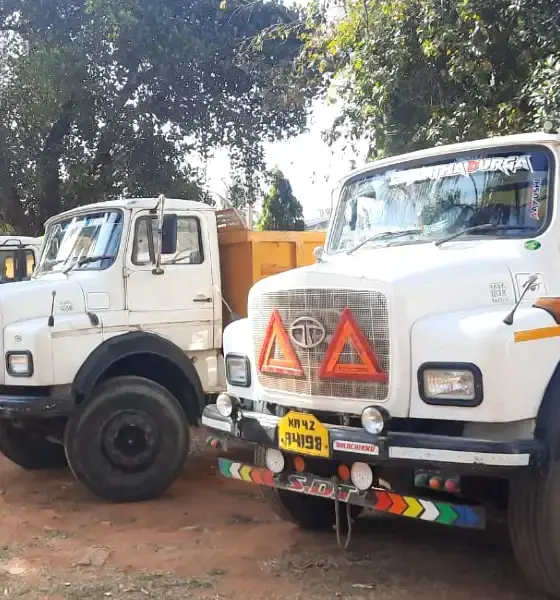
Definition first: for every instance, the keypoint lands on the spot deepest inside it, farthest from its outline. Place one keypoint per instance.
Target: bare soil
(211, 538)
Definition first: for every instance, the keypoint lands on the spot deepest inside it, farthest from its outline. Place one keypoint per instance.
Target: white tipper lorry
(113, 347)
(415, 368)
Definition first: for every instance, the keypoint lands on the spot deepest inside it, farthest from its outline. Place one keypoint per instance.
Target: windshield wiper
(478, 228)
(382, 235)
(86, 260)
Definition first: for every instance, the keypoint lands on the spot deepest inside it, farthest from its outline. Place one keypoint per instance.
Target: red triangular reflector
(277, 339)
(348, 332)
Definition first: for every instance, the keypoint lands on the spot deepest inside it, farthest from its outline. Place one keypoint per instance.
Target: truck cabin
(18, 256)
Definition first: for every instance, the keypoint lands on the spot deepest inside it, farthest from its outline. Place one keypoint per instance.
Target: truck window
(189, 242)
(29, 262)
(17, 265)
(82, 236)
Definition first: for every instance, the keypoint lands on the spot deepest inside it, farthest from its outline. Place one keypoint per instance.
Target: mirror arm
(161, 206)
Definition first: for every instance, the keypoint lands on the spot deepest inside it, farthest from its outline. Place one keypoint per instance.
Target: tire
(534, 519)
(129, 441)
(30, 449)
(307, 512)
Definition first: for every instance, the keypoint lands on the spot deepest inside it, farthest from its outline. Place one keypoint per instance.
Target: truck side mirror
(169, 234)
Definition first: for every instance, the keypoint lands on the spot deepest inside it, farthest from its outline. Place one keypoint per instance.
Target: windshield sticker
(507, 165)
(532, 245)
(535, 200)
(499, 292)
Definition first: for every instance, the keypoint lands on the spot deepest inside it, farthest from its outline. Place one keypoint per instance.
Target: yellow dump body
(248, 256)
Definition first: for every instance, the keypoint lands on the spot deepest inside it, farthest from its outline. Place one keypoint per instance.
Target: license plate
(303, 434)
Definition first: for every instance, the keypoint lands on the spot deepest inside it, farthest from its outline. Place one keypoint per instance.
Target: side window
(143, 251)
(29, 263)
(189, 249)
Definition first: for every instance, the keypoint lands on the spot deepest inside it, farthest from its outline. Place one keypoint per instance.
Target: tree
(417, 73)
(243, 189)
(281, 210)
(100, 98)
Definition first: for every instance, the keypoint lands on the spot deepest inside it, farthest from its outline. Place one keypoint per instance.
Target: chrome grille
(326, 305)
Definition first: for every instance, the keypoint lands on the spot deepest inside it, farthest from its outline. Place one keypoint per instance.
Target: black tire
(29, 449)
(128, 441)
(534, 519)
(308, 512)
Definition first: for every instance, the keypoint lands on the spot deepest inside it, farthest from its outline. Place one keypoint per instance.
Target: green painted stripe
(447, 514)
(224, 466)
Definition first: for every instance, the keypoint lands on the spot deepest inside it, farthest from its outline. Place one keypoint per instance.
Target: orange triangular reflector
(348, 332)
(276, 341)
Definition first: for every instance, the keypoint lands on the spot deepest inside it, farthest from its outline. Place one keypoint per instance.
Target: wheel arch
(549, 403)
(147, 355)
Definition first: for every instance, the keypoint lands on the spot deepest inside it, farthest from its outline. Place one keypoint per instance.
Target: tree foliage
(100, 98)
(243, 190)
(281, 210)
(417, 73)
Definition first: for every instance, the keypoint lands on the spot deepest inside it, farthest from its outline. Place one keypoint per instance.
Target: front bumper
(30, 403)
(349, 444)
(374, 500)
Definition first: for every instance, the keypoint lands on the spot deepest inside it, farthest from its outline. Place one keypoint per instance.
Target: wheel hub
(130, 440)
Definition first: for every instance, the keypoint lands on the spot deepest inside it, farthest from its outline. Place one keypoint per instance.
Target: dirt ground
(211, 538)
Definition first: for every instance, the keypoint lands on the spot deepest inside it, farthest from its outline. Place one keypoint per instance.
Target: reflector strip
(276, 336)
(348, 332)
(537, 334)
(374, 500)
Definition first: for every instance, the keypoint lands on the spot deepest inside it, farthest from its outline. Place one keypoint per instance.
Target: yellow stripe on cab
(537, 334)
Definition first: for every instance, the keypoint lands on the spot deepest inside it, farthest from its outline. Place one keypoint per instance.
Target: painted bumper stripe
(375, 500)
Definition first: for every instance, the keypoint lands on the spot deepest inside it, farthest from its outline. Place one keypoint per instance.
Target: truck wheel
(308, 512)
(128, 441)
(30, 449)
(534, 521)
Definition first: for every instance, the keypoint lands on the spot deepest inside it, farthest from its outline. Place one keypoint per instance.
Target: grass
(239, 519)
(135, 586)
(58, 534)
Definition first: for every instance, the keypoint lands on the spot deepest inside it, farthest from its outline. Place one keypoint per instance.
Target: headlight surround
(375, 420)
(450, 384)
(238, 370)
(19, 363)
(227, 404)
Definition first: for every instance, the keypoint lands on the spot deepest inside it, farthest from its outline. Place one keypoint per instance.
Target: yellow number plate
(303, 434)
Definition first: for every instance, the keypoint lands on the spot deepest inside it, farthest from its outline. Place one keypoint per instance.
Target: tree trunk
(48, 164)
(103, 159)
(10, 202)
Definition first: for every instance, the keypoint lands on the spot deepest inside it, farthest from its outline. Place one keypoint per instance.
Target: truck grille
(325, 305)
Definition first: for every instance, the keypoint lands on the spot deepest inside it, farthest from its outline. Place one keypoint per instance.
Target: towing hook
(337, 527)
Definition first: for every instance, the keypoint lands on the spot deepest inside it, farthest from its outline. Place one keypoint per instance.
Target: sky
(312, 167)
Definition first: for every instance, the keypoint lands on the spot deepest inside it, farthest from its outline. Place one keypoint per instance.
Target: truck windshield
(435, 199)
(70, 241)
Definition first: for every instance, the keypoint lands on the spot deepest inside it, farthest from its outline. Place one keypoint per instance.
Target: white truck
(18, 257)
(415, 369)
(113, 347)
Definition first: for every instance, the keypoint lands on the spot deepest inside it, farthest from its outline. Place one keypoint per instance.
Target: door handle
(202, 298)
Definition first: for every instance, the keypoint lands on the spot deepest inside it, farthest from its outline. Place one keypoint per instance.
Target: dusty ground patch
(210, 538)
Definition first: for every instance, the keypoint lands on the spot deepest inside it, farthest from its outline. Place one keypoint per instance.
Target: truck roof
(504, 140)
(13, 241)
(141, 203)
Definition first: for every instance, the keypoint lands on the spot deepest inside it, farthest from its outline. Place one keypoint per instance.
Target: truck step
(374, 500)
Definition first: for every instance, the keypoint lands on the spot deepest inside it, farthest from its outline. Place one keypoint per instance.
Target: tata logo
(307, 333)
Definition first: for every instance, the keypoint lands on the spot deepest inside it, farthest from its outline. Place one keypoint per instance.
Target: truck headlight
(238, 370)
(450, 384)
(19, 364)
